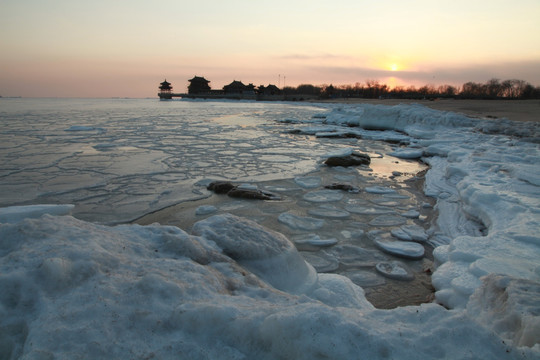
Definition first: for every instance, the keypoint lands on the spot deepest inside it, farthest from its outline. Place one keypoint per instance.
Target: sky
(118, 48)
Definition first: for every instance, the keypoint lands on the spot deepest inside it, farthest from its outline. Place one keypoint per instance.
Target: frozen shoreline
(73, 287)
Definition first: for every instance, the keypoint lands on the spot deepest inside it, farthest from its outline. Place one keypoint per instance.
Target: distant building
(236, 87)
(198, 85)
(165, 90)
(269, 90)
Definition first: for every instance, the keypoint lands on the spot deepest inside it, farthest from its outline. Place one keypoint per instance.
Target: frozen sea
(78, 281)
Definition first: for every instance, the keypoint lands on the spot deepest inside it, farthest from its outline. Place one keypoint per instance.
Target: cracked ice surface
(119, 159)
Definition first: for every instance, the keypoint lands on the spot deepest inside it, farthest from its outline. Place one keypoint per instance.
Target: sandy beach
(516, 110)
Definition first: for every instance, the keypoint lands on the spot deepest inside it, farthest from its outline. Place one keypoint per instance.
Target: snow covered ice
(231, 288)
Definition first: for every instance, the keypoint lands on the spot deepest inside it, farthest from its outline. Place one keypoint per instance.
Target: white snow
(233, 289)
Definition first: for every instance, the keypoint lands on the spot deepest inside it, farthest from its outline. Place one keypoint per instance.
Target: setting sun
(394, 67)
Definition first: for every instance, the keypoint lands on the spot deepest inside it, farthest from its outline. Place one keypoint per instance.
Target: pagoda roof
(198, 78)
(165, 82)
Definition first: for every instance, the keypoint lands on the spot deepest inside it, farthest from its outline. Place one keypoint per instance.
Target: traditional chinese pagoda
(198, 85)
(165, 90)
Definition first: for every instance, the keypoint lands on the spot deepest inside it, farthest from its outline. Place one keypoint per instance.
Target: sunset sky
(104, 48)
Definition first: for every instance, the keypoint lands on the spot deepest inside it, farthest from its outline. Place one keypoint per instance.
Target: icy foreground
(235, 290)
(73, 289)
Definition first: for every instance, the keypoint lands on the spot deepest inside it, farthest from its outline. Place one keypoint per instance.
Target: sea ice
(320, 196)
(366, 210)
(308, 182)
(379, 190)
(387, 220)
(405, 249)
(329, 211)
(321, 261)
(410, 233)
(205, 210)
(394, 270)
(364, 278)
(407, 153)
(314, 240)
(300, 222)
(272, 257)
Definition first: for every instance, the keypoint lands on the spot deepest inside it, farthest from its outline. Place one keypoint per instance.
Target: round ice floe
(314, 240)
(329, 211)
(323, 196)
(308, 182)
(387, 220)
(386, 202)
(394, 270)
(321, 261)
(351, 255)
(399, 234)
(415, 232)
(365, 210)
(300, 222)
(405, 249)
(272, 257)
(379, 190)
(339, 153)
(364, 278)
(205, 210)
(407, 153)
(411, 214)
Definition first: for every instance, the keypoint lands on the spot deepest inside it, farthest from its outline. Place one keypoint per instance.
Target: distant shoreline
(516, 110)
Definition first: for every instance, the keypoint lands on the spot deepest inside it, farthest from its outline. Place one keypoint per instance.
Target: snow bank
(72, 289)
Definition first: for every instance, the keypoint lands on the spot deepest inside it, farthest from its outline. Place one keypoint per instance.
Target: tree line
(373, 89)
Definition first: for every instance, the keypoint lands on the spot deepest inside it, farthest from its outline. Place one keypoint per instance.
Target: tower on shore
(165, 90)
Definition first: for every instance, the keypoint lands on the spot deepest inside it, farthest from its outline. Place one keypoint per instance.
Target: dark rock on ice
(344, 187)
(225, 187)
(354, 159)
(220, 187)
(237, 192)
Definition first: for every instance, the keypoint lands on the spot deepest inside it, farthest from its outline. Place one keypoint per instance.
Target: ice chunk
(338, 153)
(405, 249)
(323, 196)
(267, 254)
(395, 270)
(387, 220)
(14, 214)
(205, 210)
(314, 240)
(411, 214)
(329, 211)
(356, 256)
(365, 210)
(308, 182)
(510, 307)
(321, 261)
(407, 153)
(364, 278)
(300, 222)
(379, 190)
(410, 233)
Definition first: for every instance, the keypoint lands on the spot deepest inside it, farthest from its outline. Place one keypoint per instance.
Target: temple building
(237, 87)
(165, 90)
(198, 85)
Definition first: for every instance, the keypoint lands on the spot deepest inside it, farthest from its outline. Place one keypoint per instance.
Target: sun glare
(394, 67)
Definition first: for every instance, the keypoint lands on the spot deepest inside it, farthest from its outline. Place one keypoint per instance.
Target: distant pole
(284, 77)
(279, 80)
